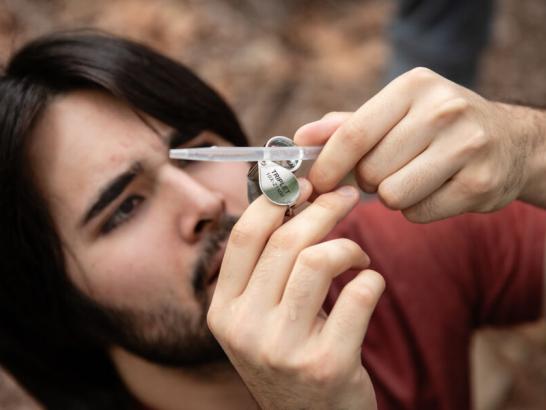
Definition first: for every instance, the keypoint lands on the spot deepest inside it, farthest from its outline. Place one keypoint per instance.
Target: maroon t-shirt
(444, 280)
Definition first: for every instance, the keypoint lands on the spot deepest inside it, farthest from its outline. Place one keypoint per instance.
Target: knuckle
(476, 142)
(464, 187)
(415, 217)
(364, 184)
(299, 289)
(418, 214)
(350, 249)
(422, 72)
(216, 319)
(354, 136)
(324, 375)
(241, 234)
(282, 239)
(322, 370)
(390, 197)
(262, 272)
(234, 328)
(447, 92)
(312, 259)
(361, 293)
(238, 337)
(423, 212)
(482, 183)
(329, 202)
(327, 255)
(321, 178)
(367, 173)
(334, 114)
(418, 75)
(451, 110)
(237, 344)
(349, 245)
(270, 360)
(486, 182)
(213, 320)
(276, 359)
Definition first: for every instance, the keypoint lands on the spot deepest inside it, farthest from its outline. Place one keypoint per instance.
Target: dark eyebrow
(111, 191)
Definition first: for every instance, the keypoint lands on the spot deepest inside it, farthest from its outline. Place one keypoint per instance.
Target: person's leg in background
(447, 36)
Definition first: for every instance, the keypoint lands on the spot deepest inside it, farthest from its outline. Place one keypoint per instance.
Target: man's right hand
(433, 149)
(266, 310)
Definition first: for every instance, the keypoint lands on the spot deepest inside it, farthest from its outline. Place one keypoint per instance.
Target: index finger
(358, 135)
(318, 132)
(247, 240)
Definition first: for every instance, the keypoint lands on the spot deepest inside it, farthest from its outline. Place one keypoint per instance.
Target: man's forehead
(92, 113)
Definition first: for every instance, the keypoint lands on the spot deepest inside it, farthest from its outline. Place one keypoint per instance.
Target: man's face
(142, 235)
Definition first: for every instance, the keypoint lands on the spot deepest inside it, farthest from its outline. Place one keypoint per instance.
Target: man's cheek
(120, 281)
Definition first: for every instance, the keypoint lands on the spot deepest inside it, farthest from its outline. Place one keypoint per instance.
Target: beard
(168, 334)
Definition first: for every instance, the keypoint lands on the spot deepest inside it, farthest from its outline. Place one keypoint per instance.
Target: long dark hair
(40, 339)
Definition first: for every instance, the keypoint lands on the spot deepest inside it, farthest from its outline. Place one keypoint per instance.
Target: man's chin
(166, 336)
(204, 351)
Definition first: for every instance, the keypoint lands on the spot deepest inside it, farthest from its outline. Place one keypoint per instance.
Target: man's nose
(196, 207)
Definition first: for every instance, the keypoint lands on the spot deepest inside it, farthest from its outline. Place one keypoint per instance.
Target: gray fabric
(447, 36)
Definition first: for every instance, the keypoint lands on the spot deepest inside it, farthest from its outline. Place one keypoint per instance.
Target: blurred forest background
(282, 63)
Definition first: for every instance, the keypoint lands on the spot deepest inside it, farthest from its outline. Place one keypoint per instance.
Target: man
(111, 257)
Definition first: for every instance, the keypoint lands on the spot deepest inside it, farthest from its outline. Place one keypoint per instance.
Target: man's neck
(215, 386)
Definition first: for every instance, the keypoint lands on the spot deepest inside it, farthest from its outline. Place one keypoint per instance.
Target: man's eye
(123, 213)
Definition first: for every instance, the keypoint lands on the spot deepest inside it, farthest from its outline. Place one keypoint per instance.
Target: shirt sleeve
(509, 268)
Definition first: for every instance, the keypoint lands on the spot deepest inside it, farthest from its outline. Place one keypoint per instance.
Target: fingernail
(346, 190)
(321, 122)
(377, 281)
(302, 130)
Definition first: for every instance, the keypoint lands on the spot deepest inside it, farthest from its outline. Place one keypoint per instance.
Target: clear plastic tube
(246, 154)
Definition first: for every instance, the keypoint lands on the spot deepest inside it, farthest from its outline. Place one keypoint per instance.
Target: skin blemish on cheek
(116, 158)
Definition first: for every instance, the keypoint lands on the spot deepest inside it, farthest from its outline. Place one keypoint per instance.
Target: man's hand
(433, 149)
(266, 310)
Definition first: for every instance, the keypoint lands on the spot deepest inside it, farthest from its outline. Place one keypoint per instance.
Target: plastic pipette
(248, 154)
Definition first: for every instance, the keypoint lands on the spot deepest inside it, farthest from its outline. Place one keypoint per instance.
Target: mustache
(211, 246)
